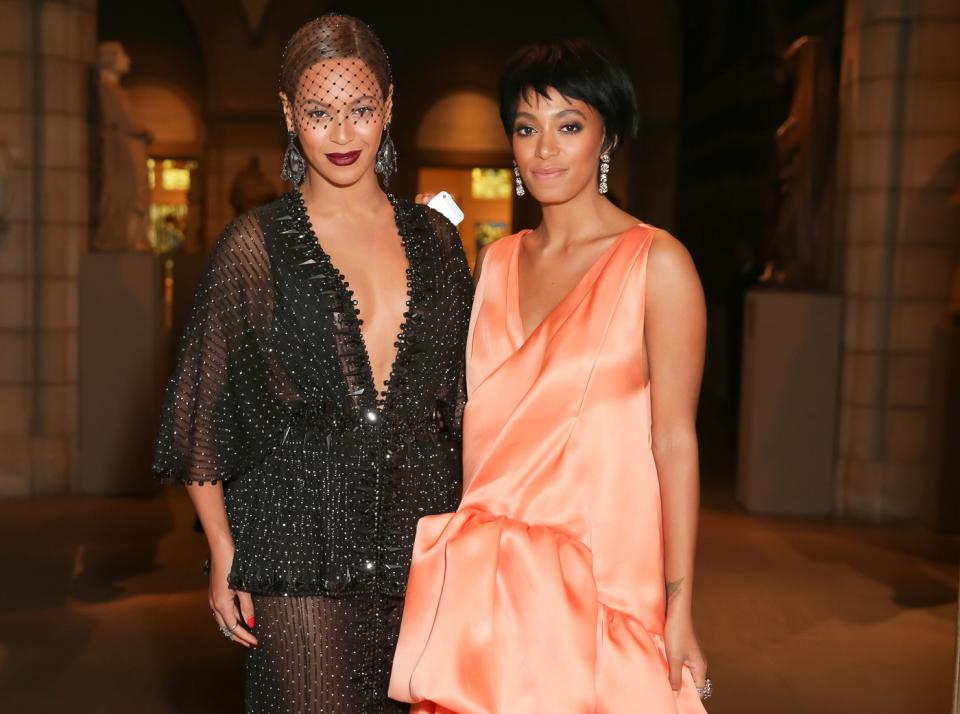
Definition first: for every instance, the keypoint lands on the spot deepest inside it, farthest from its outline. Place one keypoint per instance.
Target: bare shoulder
(670, 268)
(669, 257)
(666, 251)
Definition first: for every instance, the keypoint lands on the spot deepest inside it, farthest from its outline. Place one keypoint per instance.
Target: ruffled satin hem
(502, 616)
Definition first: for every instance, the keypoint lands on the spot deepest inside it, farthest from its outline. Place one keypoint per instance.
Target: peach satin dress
(544, 592)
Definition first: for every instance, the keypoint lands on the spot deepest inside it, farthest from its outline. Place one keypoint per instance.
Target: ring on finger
(706, 691)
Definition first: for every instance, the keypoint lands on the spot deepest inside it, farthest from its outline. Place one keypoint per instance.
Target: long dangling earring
(386, 165)
(292, 168)
(604, 170)
(517, 181)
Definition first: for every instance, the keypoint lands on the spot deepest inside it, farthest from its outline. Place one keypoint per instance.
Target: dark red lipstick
(343, 159)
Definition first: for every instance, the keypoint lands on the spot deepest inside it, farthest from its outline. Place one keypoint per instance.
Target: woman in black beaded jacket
(314, 413)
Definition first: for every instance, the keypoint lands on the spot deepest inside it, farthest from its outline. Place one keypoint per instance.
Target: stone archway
(462, 149)
(242, 43)
(464, 120)
(172, 117)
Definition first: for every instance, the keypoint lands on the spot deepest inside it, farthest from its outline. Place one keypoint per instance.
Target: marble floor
(102, 610)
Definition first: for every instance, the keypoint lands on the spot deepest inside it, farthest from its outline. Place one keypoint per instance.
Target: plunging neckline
(381, 397)
(513, 285)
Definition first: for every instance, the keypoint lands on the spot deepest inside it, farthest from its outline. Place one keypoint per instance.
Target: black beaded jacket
(273, 395)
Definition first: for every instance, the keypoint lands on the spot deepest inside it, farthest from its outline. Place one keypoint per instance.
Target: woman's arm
(199, 443)
(231, 608)
(675, 336)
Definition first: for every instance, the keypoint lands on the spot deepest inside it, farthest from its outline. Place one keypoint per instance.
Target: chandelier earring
(293, 167)
(386, 164)
(517, 181)
(604, 170)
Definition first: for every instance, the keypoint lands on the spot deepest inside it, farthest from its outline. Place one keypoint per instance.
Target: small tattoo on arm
(673, 587)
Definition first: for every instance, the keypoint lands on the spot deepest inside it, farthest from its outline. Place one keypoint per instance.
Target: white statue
(124, 190)
(801, 250)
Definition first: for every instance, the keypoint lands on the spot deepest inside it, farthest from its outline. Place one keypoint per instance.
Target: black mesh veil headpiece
(334, 71)
(337, 47)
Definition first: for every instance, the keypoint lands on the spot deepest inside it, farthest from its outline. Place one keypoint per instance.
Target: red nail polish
(251, 621)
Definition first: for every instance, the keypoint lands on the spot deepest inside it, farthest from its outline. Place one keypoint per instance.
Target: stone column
(898, 168)
(47, 49)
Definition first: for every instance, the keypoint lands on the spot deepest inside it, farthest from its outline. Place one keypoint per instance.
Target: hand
(683, 649)
(232, 609)
(424, 198)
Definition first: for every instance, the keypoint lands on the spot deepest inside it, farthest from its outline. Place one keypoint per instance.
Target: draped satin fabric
(544, 592)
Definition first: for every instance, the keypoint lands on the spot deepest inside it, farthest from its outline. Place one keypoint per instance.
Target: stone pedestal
(122, 368)
(791, 359)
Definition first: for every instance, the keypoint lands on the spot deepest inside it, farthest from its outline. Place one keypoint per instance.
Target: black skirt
(323, 655)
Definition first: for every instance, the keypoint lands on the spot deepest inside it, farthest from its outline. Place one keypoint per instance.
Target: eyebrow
(366, 97)
(561, 113)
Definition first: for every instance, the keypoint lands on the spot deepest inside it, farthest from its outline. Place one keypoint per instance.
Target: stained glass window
(175, 175)
(169, 185)
(488, 231)
(491, 184)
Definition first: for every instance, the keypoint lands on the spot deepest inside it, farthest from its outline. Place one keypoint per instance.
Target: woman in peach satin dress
(563, 582)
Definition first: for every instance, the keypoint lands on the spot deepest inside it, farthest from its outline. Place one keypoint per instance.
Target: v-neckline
(381, 397)
(521, 337)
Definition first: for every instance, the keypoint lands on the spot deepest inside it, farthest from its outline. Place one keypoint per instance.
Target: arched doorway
(176, 126)
(463, 151)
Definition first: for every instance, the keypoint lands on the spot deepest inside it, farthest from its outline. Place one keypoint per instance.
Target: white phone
(443, 203)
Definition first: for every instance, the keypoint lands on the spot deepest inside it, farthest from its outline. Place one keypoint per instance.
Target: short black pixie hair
(576, 69)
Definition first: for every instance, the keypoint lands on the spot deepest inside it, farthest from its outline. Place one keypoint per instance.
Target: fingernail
(251, 621)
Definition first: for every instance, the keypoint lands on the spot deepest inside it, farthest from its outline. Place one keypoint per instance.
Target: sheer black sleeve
(457, 288)
(202, 436)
